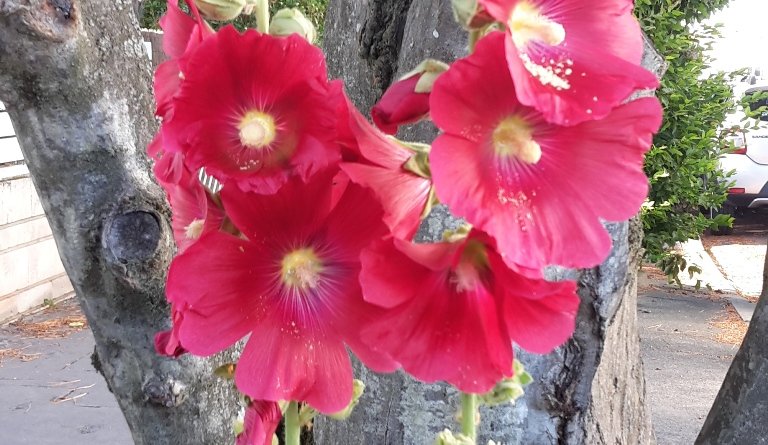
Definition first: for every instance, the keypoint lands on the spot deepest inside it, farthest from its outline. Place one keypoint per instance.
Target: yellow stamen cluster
(527, 23)
(513, 137)
(300, 269)
(257, 129)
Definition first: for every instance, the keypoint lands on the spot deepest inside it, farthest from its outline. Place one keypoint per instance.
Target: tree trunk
(75, 78)
(591, 390)
(740, 412)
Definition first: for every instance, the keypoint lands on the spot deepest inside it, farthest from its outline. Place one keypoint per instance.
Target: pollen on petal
(301, 268)
(257, 129)
(513, 137)
(527, 23)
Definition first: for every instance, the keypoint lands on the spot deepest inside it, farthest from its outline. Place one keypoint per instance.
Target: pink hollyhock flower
(261, 420)
(392, 174)
(291, 283)
(573, 60)
(255, 109)
(539, 189)
(407, 100)
(193, 211)
(181, 35)
(455, 308)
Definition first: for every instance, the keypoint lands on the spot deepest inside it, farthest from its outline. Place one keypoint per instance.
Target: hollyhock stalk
(292, 424)
(469, 415)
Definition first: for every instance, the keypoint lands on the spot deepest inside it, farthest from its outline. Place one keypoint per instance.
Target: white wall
(30, 269)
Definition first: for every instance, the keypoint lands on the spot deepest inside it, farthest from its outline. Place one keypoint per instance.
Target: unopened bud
(291, 21)
(358, 387)
(220, 10)
(446, 437)
(470, 15)
(407, 100)
(508, 390)
(428, 71)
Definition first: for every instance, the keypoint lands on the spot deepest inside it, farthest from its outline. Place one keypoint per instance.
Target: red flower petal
(167, 343)
(403, 194)
(193, 211)
(293, 285)
(213, 281)
(556, 65)
(438, 331)
(297, 210)
(546, 209)
(256, 122)
(539, 315)
(285, 362)
(177, 29)
(261, 420)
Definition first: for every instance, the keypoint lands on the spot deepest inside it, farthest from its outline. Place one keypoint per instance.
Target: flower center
(257, 129)
(474, 260)
(527, 23)
(301, 269)
(194, 229)
(513, 137)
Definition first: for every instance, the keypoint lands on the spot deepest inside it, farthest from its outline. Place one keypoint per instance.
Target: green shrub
(682, 165)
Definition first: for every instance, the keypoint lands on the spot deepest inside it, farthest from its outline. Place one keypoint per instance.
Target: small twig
(73, 398)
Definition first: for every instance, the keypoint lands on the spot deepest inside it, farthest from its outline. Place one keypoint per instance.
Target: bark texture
(75, 78)
(740, 412)
(591, 390)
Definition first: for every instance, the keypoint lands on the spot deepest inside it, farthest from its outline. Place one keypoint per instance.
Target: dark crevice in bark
(65, 8)
(381, 38)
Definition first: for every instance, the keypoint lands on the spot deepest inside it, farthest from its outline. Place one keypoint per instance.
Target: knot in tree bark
(133, 236)
(168, 393)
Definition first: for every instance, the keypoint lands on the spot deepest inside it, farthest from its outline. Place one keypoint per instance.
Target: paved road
(684, 365)
(56, 397)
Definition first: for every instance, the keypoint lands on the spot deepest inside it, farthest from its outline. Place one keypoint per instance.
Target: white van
(749, 159)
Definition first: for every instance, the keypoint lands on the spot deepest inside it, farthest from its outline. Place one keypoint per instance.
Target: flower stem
(292, 424)
(468, 415)
(474, 36)
(262, 16)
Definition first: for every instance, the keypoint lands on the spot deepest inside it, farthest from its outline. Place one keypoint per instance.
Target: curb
(694, 252)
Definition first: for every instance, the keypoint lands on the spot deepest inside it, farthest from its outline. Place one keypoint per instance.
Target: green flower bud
(291, 21)
(358, 387)
(446, 437)
(508, 390)
(470, 15)
(428, 71)
(220, 10)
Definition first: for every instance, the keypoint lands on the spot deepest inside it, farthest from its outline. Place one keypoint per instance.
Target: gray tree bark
(75, 78)
(591, 390)
(740, 412)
